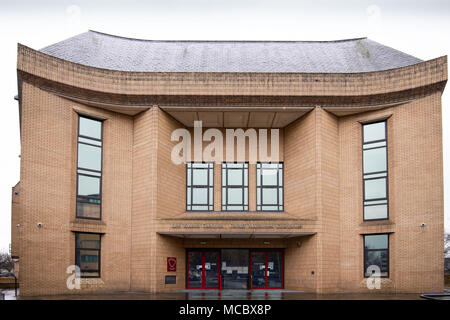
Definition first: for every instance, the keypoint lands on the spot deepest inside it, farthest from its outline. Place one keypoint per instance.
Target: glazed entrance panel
(266, 269)
(211, 266)
(258, 267)
(203, 269)
(195, 269)
(274, 270)
(234, 269)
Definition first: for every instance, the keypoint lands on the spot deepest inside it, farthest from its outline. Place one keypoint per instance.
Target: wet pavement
(223, 295)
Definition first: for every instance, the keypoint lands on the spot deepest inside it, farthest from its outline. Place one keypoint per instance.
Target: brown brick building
(359, 184)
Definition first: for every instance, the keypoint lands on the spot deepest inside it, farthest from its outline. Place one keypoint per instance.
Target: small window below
(376, 255)
(87, 254)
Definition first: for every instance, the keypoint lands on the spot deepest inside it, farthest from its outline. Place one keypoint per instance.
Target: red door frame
(266, 279)
(203, 269)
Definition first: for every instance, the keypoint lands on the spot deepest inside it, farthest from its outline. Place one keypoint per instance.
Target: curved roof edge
(55, 69)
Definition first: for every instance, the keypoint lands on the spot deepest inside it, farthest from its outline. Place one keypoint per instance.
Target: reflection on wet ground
(229, 295)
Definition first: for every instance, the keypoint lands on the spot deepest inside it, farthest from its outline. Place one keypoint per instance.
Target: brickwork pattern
(144, 192)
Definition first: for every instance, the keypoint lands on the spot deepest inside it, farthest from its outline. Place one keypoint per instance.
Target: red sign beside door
(171, 264)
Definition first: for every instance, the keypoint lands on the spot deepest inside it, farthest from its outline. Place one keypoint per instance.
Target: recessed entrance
(234, 269)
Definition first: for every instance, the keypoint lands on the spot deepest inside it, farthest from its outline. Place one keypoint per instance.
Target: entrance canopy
(237, 117)
(246, 235)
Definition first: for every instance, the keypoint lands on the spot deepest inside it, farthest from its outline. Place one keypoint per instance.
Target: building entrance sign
(171, 264)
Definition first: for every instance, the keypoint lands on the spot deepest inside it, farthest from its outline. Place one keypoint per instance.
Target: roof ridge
(277, 41)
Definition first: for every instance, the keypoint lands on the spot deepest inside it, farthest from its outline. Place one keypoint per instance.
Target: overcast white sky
(420, 28)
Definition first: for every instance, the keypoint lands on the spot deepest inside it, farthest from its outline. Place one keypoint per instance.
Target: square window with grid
(235, 186)
(199, 186)
(269, 187)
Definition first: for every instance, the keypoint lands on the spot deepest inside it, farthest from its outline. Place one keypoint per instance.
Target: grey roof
(117, 53)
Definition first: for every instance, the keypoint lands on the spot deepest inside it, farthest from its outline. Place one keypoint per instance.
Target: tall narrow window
(375, 174)
(199, 186)
(87, 254)
(89, 168)
(376, 254)
(235, 186)
(269, 186)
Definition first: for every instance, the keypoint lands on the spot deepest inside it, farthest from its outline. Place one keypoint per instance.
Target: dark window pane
(88, 241)
(376, 254)
(235, 263)
(375, 189)
(374, 131)
(89, 157)
(88, 186)
(195, 269)
(274, 270)
(376, 241)
(211, 269)
(377, 258)
(87, 254)
(90, 128)
(89, 259)
(88, 208)
(375, 160)
(258, 267)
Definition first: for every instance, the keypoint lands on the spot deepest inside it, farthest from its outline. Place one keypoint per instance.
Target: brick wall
(142, 189)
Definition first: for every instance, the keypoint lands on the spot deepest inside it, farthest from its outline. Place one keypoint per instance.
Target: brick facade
(143, 193)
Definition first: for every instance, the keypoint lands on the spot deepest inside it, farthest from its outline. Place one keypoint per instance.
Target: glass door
(195, 269)
(234, 266)
(203, 269)
(274, 270)
(266, 269)
(258, 269)
(211, 267)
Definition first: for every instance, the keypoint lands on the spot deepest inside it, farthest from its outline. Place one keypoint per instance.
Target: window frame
(277, 187)
(99, 251)
(226, 186)
(98, 172)
(387, 249)
(386, 177)
(209, 186)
